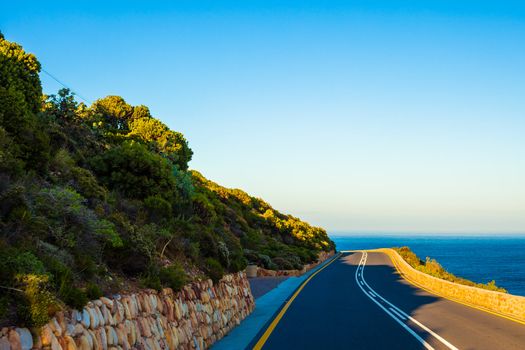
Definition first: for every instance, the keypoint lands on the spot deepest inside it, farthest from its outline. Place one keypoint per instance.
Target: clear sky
(361, 116)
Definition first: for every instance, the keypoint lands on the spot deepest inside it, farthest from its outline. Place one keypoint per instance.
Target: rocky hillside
(98, 199)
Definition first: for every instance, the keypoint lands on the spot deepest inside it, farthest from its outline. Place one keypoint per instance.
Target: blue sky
(360, 116)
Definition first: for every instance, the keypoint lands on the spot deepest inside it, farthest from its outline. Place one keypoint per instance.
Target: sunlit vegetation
(433, 268)
(94, 199)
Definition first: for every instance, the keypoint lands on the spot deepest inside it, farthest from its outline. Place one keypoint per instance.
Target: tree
(113, 113)
(20, 100)
(170, 143)
(134, 171)
(19, 76)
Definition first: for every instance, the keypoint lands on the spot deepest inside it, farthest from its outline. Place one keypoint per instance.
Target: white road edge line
(398, 314)
(435, 335)
(409, 330)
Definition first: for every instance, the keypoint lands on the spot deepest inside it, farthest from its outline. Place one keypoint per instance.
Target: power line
(64, 85)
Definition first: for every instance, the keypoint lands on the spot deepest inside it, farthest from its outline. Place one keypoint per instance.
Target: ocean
(477, 258)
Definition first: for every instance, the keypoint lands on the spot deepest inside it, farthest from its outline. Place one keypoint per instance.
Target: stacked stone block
(193, 318)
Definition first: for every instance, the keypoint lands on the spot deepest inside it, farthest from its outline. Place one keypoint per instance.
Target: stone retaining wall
(193, 318)
(503, 303)
(323, 256)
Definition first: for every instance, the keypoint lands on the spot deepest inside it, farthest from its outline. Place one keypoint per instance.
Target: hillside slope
(98, 199)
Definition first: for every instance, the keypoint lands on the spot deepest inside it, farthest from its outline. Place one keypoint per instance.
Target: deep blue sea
(477, 258)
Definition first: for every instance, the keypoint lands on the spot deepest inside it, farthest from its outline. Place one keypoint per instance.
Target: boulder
(4, 344)
(86, 318)
(26, 339)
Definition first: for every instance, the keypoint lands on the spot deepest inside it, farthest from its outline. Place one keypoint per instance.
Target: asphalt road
(360, 302)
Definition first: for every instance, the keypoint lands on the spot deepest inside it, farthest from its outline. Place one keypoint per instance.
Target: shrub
(433, 268)
(237, 262)
(282, 263)
(214, 269)
(151, 280)
(38, 302)
(87, 184)
(74, 297)
(134, 171)
(93, 291)
(159, 209)
(173, 276)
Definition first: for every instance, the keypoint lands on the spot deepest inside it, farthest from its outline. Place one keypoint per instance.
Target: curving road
(360, 302)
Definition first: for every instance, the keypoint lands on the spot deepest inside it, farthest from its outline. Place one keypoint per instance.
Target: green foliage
(159, 209)
(165, 141)
(214, 269)
(253, 225)
(173, 276)
(38, 302)
(93, 291)
(433, 268)
(62, 107)
(20, 100)
(71, 221)
(86, 184)
(134, 171)
(19, 76)
(103, 193)
(151, 278)
(112, 114)
(74, 297)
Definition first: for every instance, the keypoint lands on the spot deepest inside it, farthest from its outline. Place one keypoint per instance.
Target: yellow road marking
(449, 298)
(276, 320)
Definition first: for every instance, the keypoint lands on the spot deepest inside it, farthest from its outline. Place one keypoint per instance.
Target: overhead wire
(64, 85)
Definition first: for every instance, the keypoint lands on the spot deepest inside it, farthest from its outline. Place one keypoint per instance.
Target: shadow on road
(383, 278)
(332, 312)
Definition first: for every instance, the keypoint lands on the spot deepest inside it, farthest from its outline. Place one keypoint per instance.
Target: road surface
(360, 302)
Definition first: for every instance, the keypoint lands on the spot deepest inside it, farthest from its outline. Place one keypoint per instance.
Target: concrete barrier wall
(502, 303)
(193, 318)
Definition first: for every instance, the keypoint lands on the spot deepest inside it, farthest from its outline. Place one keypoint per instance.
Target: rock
(93, 318)
(14, 340)
(60, 317)
(86, 318)
(79, 329)
(108, 302)
(90, 338)
(70, 343)
(113, 335)
(4, 344)
(101, 339)
(55, 327)
(83, 343)
(76, 315)
(26, 339)
(55, 345)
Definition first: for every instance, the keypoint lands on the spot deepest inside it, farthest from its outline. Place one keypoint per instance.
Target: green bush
(74, 297)
(159, 209)
(87, 184)
(433, 268)
(103, 193)
(283, 264)
(38, 302)
(173, 276)
(134, 171)
(214, 269)
(151, 280)
(93, 291)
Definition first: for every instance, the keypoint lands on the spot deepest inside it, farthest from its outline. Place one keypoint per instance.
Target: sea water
(477, 258)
